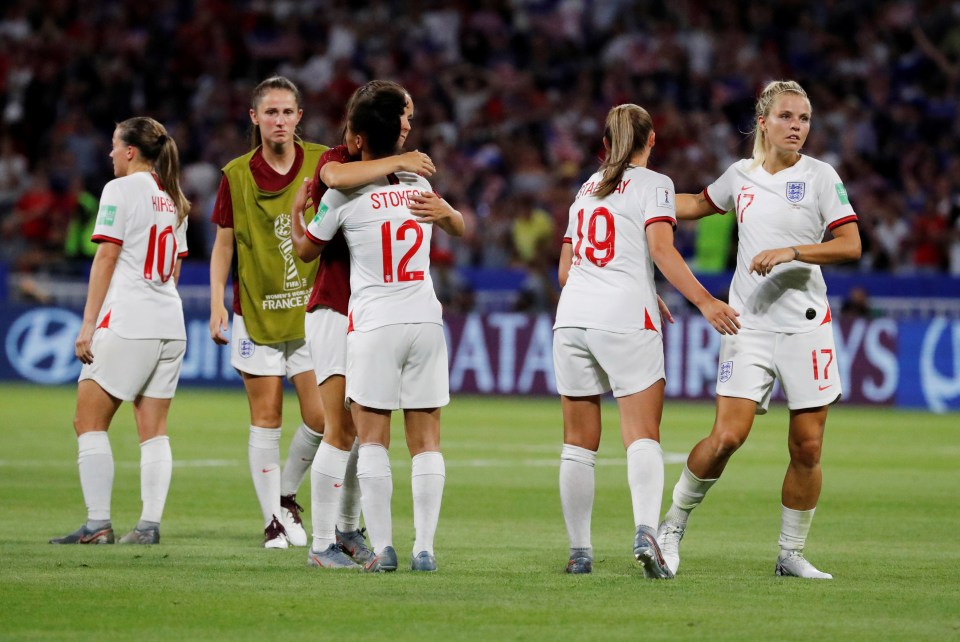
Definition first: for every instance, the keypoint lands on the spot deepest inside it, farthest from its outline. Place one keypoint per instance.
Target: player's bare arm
(306, 249)
(691, 207)
(337, 175)
(844, 246)
(101, 272)
(220, 259)
(720, 315)
(430, 208)
(566, 261)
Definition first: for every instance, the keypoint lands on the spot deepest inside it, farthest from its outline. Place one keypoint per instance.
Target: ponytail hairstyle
(365, 92)
(626, 131)
(158, 148)
(374, 111)
(274, 82)
(763, 107)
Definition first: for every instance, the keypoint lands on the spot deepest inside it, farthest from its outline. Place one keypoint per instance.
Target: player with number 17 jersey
(142, 301)
(389, 251)
(610, 284)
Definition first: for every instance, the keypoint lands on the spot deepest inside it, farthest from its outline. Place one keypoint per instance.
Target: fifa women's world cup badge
(291, 277)
(795, 191)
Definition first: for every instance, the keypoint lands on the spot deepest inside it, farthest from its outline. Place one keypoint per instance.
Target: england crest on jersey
(795, 191)
(726, 371)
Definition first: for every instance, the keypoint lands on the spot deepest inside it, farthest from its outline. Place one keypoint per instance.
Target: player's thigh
(338, 430)
(265, 397)
(326, 334)
(577, 371)
(422, 430)
(808, 370)
(424, 375)
(311, 403)
(122, 367)
(747, 368)
(374, 362)
(581, 421)
(150, 414)
(640, 413)
(632, 361)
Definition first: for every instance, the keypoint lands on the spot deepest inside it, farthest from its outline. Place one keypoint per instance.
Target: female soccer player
(607, 333)
(270, 289)
(396, 354)
(133, 338)
(784, 201)
(334, 486)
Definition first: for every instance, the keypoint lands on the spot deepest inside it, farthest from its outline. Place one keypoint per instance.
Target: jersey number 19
(600, 249)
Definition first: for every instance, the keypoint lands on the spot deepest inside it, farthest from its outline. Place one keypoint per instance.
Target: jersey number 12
(386, 240)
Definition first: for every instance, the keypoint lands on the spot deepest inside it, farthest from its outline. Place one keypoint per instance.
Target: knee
(726, 442)
(805, 453)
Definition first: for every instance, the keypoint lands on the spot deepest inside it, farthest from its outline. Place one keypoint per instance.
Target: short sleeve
(325, 223)
(832, 198)
(223, 208)
(182, 250)
(111, 217)
(659, 202)
(571, 225)
(720, 193)
(338, 154)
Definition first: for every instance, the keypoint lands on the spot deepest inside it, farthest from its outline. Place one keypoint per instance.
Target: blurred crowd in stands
(510, 100)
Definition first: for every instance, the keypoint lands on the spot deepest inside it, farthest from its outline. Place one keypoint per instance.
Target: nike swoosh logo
(746, 187)
(822, 388)
(337, 485)
(267, 470)
(305, 459)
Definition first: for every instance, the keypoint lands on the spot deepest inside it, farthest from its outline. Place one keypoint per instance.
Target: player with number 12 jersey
(142, 302)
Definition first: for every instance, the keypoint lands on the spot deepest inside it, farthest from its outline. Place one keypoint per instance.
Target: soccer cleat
(794, 564)
(423, 561)
(330, 557)
(647, 552)
(353, 544)
(668, 538)
(580, 564)
(84, 535)
(274, 536)
(142, 536)
(383, 562)
(292, 523)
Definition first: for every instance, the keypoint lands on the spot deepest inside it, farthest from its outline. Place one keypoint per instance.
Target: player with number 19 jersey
(389, 251)
(610, 284)
(142, 301)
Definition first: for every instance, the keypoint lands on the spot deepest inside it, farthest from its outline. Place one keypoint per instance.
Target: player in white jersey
(396, 353)
(784, 202)
(607, 332)
(132, 339)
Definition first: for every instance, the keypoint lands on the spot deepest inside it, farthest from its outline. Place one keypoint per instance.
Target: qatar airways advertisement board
(914, 364)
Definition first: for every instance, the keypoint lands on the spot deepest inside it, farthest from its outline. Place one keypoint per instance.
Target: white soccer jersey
(610, 284)
(389, 251)
(793, 207)
(142, 301)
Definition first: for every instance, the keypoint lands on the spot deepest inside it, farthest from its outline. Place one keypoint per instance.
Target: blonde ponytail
(626, 131)
(763, 107)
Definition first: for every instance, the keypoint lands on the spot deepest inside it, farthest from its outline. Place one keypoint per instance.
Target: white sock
(263, 451)
(645, 477)
(794, 527)
(326, 488)
(303, 448)
(576, 494)
(156, 468)
(376, 490)
(95, 460)
(350, 499)
(687, 495)
(427, 476)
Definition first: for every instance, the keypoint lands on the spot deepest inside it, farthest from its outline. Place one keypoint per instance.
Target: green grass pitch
(887, 528)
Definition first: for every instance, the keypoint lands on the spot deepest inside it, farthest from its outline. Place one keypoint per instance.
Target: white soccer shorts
(326, 331)
(590, 362)
(398, 366)
(288, 358)
(805, 363)
(129, 368)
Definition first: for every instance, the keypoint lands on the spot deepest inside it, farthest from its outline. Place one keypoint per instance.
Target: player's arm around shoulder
(428, 207)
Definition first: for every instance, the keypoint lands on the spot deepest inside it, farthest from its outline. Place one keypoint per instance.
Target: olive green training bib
(274, 283)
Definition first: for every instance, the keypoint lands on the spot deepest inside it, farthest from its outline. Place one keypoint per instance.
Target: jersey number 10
(161, 253)
(386, 240)
(600, 249)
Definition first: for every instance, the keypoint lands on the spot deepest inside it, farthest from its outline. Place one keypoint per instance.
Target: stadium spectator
(782, 298)
(606, 336)
(396, 352)
(270, 288)
(132, 339)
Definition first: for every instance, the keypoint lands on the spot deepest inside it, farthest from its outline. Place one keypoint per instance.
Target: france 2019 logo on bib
(795, 191)
(246, 348)
(726, 371)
